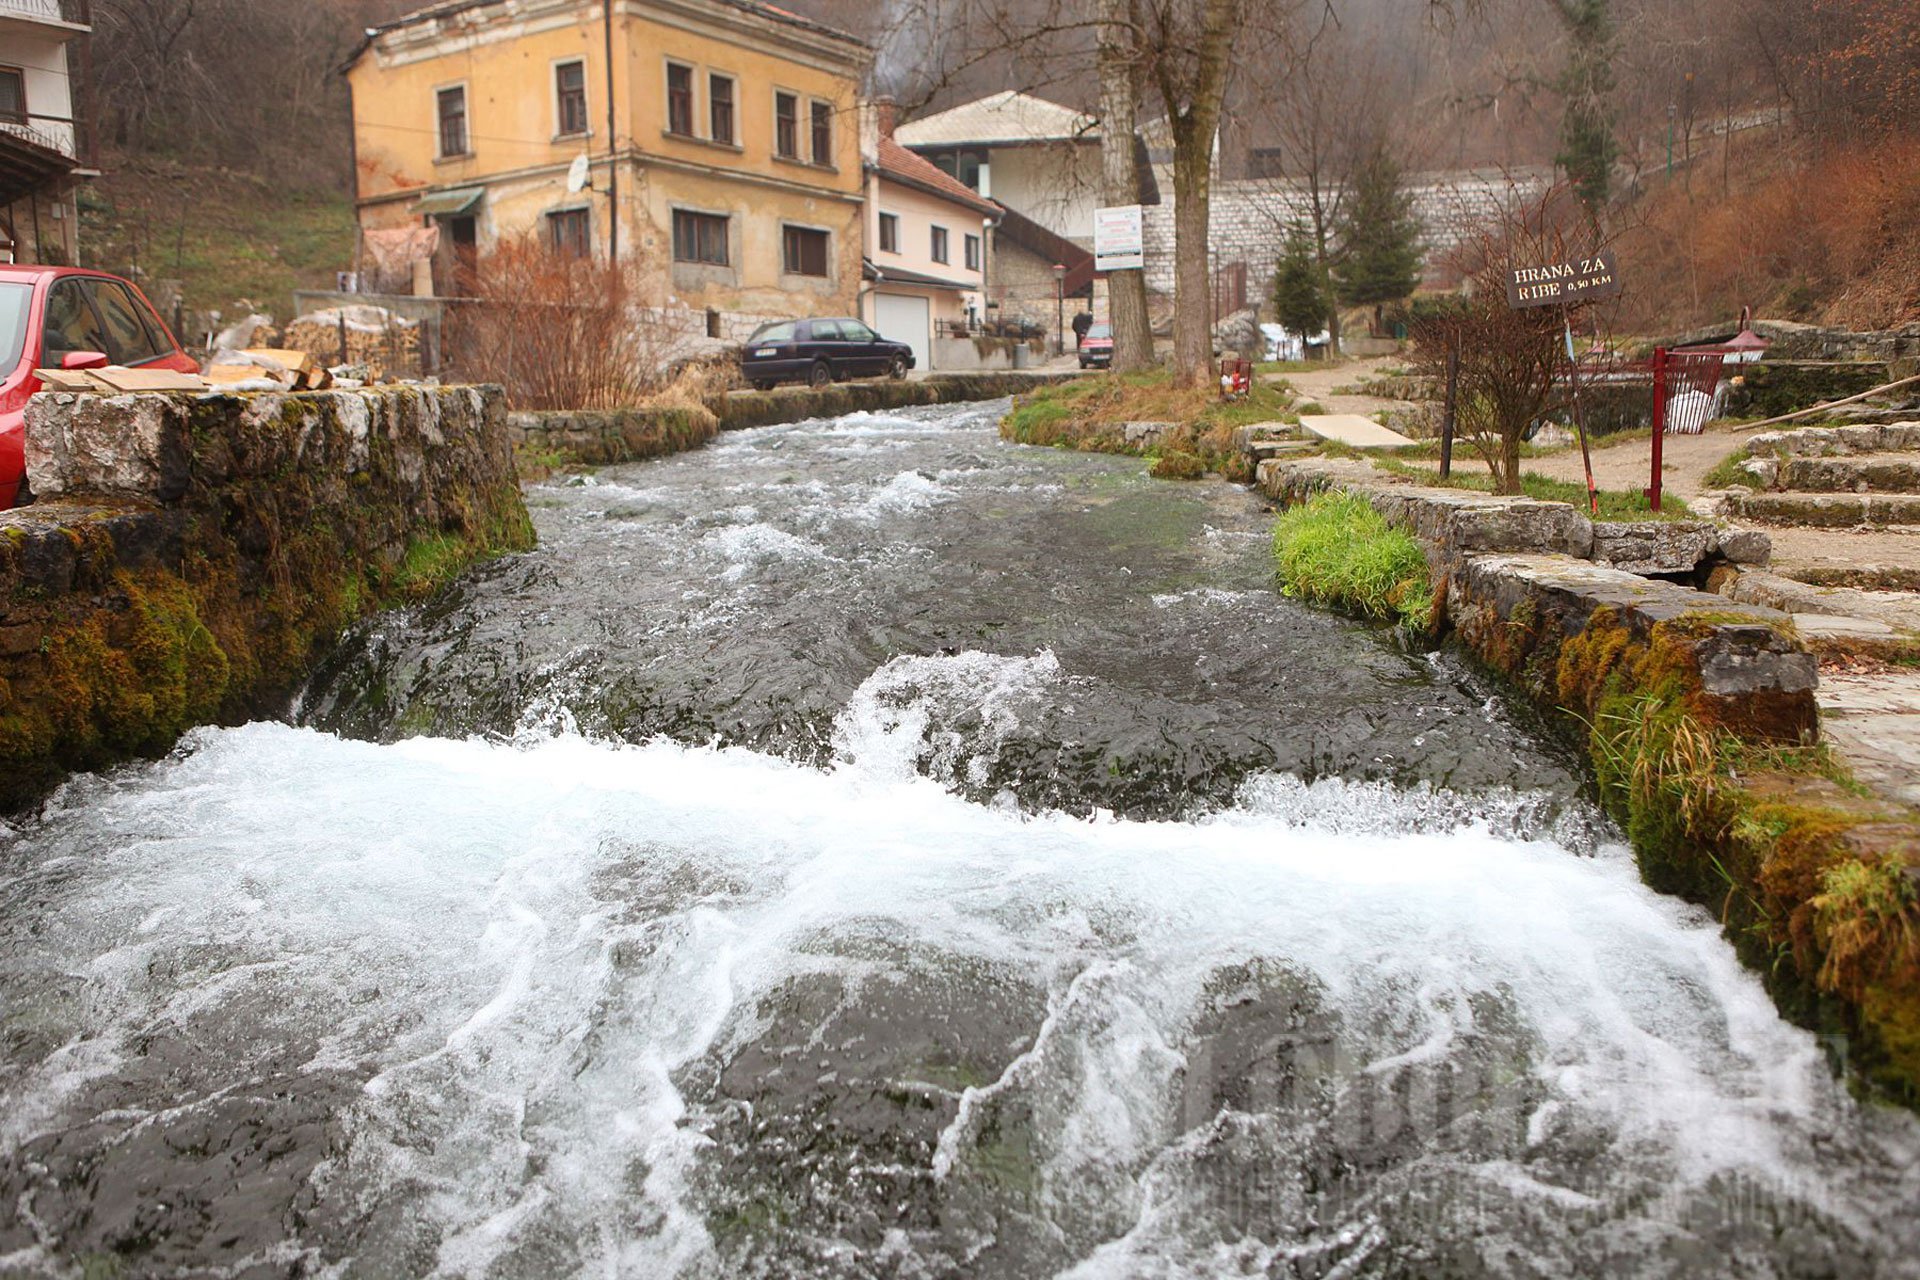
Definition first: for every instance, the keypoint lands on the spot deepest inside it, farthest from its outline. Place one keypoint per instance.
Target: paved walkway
(1872, 718)
(1352, 429)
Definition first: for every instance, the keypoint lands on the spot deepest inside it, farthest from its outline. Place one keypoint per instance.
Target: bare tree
(1510, 360)
(1120, 173)
(1189, 62)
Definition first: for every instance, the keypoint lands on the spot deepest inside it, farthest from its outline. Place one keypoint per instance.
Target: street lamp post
(1060, 309)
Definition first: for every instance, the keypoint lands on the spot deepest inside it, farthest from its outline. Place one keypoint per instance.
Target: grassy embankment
(1810, 876)
(1091, 414)
(235, 242)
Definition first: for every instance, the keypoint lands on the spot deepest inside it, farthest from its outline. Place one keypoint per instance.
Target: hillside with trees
(1756, 153)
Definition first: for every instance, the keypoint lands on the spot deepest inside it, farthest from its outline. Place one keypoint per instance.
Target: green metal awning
(441, 204)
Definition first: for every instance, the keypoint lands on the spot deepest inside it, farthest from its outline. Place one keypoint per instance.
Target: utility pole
(613, 149)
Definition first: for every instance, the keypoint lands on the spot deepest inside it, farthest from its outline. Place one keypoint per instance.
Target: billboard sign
(1560, 283)
(1119, 242)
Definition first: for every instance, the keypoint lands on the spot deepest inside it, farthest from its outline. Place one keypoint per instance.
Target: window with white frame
(451, 106)
(720, 108)
(570, 97)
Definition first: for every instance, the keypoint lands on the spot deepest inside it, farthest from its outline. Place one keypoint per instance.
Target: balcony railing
(60, 139)
(78, 12)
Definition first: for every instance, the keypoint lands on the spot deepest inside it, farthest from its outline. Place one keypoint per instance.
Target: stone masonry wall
(1248, 219)
(192, 555)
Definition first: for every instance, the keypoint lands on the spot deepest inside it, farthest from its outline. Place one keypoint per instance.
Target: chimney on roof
(886, 110)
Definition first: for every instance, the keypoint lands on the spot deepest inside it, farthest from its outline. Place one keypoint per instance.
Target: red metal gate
(1685, 388)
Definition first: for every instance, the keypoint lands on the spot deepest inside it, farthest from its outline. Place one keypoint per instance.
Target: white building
(1040, 161)
(43, 156)
(926, 258)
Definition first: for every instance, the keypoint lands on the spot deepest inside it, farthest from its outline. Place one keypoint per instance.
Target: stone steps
(1843, 441)
(1261, 450)
(1858, 473)
(1825, 510)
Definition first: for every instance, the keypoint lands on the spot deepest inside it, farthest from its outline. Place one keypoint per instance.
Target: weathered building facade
(45, 148)
(722, 154)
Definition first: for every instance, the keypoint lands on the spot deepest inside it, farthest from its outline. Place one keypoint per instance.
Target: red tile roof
(904, 166)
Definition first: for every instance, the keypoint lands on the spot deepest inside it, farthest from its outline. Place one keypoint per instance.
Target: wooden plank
(69, 380)
(149, 380)
(294, 359)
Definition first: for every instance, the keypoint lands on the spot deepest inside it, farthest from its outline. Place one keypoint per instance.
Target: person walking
(1082, 321)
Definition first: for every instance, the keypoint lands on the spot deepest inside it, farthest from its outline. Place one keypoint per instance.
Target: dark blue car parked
(819, 351)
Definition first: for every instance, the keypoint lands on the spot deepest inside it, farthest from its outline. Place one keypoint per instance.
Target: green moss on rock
(300, 514)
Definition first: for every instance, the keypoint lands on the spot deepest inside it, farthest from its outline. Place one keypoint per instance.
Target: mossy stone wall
(1772, 388)
(192, 555)
(1697, 715)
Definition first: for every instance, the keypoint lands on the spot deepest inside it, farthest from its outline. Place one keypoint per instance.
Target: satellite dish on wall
(579, 174)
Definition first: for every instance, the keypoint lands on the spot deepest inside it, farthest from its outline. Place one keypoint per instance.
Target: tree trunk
(1192, 283)
(1508, 481)
(1323, 256)
(1120, 178)
(1193, 115)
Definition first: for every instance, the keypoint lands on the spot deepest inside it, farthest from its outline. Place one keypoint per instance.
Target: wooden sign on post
(1561, 283)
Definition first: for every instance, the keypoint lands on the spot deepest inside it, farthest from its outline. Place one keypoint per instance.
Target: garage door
(905, 319)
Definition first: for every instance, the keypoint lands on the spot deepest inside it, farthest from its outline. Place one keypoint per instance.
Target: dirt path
(1319, 385)
(1685, 462)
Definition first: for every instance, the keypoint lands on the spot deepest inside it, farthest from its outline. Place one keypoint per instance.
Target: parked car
(66, 318)
(1097, 347)
(821, 350)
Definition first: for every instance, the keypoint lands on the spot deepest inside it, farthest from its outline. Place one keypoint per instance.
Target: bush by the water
(1177, 465)
(1336, 550)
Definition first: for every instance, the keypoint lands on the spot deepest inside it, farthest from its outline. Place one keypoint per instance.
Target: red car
(1097, 347)
(66, 318)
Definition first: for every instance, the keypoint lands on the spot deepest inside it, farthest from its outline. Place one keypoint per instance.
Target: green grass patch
(1614, 504)
(1090, 414)
(429, 563)
(1337, 551)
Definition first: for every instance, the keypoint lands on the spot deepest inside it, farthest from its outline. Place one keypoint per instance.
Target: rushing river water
(863, 848)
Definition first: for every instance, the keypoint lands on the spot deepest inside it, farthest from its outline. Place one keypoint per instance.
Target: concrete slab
(1873, 723)
(1353, 430)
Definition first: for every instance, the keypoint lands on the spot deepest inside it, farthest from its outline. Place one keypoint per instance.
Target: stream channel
(866, 848)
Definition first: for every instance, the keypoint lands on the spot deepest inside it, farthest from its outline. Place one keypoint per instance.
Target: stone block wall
(193, 555)
(1248, 219)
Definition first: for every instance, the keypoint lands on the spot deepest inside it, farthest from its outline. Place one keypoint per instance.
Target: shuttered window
(805, 251)
(570, 95)
(699, 237)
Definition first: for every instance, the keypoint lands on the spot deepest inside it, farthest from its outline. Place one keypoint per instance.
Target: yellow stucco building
(723, 153)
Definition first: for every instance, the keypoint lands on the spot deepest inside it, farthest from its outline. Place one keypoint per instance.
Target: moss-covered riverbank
(1696, 716)
(195, 555)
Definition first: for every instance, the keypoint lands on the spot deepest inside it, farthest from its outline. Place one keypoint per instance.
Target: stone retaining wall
(598, 438)
(1694, 711)
(1454, 524)
(192, 555)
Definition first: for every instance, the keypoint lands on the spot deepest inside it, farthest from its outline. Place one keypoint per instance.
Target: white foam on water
(519, 944)
(1206, 596)
(907, 491)
(747, 546)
